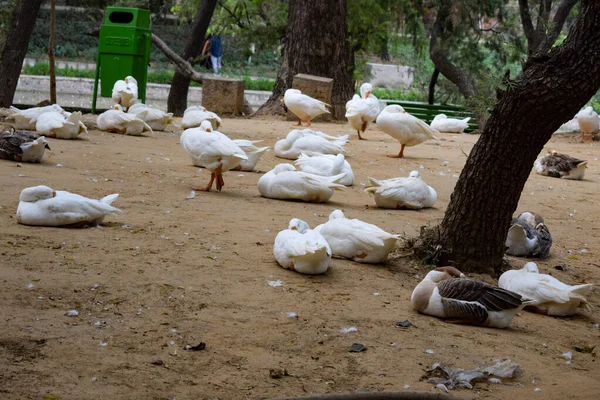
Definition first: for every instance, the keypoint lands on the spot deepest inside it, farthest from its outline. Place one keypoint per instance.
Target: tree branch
(563, 11)
(237, 21)
(526, 20)
(183, 67)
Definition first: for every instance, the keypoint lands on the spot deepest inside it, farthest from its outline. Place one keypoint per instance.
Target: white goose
(26, 119)
(408, 130)
(301, 249)
(305, 107)
(60, 125)
(193, 116)
(326, 165)
(528, 236)
(125, 92)
(22, 146)
(560, 166)
(549, 295)
(155, 118)
(213, 151)
(285, 183)
(411, 192)
(452, 125)
(254, 153)
(588, 123)
(362, 109)
(117, 121)
(443, 293)
(298, 141)
(42, 206)
(356, 240)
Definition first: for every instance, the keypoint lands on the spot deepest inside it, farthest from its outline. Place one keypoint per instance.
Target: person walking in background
(212, 46)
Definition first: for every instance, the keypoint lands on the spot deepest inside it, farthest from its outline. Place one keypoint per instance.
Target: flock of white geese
(319, 169)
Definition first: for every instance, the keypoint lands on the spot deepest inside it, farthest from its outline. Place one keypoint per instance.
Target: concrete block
(317, 87)
(223, 96)
(389, 76)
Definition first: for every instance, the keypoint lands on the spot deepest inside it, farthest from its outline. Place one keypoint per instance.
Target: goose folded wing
(491, 297)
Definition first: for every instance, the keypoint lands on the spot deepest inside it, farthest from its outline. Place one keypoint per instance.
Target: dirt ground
(171, 272)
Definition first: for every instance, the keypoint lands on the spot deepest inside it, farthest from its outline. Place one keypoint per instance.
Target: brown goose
(528, 236)
(560, 166)
(443, 294)
(18, 145)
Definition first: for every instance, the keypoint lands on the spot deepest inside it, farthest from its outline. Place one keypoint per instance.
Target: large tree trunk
(316, 44)
(550, 90)
(15, 47)
(177, 101)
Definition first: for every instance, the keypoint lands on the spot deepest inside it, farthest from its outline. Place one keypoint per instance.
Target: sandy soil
(172, 271)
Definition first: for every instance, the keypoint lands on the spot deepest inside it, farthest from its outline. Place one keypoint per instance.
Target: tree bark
(177, 101)
(15, 48)
(550, 90)
(51, 62)
(323, 52)
(432, 83)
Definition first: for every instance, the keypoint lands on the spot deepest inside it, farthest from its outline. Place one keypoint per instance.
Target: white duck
(588, 123)
(560, 166)
(326, 165)
(42, 206)
(303, 106)
(26, 119)
(405, 128)
(193, 116)
(549, 295)
(444, 294)
(125, 92)
(254, 153)
(61, 125)
(22, 146)
(117, 121)
(155, 118)
(411, 192)
(452, 125)
(528, 236)
(298, 141)
(213, 151)
(285, 183)
(362, 109)
(356, 240)
(301, 249)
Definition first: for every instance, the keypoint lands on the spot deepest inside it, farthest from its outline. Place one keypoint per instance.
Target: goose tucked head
(297, 224)
(365, 90)
(35, 193)
(294, 135)
(531, 267)
(58, 108)
(440, 116)
(130, 79)
(118, 107)
(531, 218)
(279, 168)
(415, 174)
(394, 109)
(439, 274)
(336, 214)
(206, 126)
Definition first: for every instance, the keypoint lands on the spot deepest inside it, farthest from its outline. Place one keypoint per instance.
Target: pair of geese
(49, 121)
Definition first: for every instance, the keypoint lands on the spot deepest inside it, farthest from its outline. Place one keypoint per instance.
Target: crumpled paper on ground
(454, 378)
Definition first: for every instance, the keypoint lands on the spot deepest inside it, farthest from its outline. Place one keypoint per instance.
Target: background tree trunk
(549, 91)
(51, 62)
(316, 43)
(15, 48)
(177, 101)
(432, 83)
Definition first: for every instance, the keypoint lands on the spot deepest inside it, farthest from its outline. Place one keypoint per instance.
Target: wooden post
(51, 53)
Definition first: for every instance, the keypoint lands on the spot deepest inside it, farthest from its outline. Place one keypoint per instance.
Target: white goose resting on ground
(560, 166)
(254, 153)
(411, 192)
(326, 165)
(303, 106)
(301, 249)
(26, 119)
(155, 118)
(117, 121)
(362, 109)
(193, 116)
(549, 295)
(445, 293)
(125, 92)
(285, 183)
(588, 123)
(42, 206)
(528, 236)
(405, 128)
(356, 240)
(22, 146)
(213, 151)
(452, 125)
(298, 141)
(60, 125)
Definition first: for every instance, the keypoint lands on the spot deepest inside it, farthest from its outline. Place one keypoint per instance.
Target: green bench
(427, 112)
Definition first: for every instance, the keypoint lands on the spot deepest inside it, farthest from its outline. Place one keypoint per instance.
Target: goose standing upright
(212, 150)
(528, 236)
(362, 109)
(411, 192)
(301, 249)
(22, 146)
(560, 166)
(549, 295)
(588, 123)
(303, 106)
(406, 129)
(446, 293)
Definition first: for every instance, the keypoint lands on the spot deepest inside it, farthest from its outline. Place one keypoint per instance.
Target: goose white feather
(301, 249)
(26, 119)
(60, 125)
(326, 165)
(156, 119)
(411, 192)
(254, 153)
(117, 121)
(363, 109)
(305, 107)
(452, 125)
(125, 92)
(298, 141)
(588, 122)
(193, 116)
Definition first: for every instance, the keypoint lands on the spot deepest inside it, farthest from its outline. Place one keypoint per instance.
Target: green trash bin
(123, 49)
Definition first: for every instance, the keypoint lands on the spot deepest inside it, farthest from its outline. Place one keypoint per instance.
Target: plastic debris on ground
(357, 348)
(453, 378)
(198, 347)
(349, 329)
